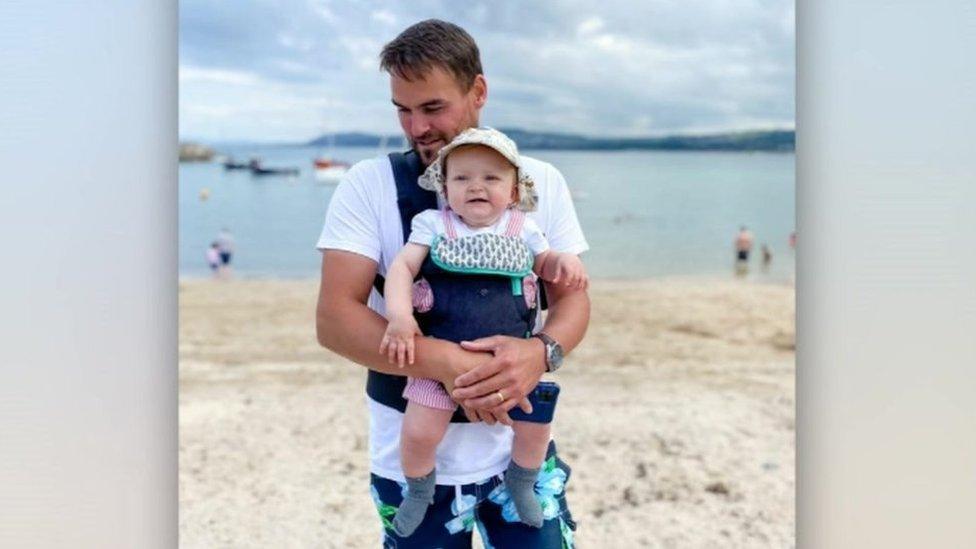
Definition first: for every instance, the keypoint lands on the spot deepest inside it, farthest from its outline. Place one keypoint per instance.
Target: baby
(478, 257)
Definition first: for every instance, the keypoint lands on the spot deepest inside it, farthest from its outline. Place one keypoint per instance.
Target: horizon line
(691, 133)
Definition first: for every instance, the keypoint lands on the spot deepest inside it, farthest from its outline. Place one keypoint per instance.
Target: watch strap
(549, 344)
(545, 338)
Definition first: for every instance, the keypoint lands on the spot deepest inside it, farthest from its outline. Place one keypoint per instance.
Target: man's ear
(480, 90)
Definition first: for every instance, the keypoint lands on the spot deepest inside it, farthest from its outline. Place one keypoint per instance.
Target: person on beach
(225, 244)
(213, 258)
(438, 88)
(482, 229)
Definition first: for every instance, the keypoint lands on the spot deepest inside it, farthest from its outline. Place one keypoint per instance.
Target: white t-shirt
(430, 223)
(363, 218)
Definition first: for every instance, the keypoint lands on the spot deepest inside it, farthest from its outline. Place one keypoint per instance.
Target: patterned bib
(483, 254)
(486, 253)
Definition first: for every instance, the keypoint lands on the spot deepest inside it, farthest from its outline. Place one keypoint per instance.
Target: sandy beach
(682, 395)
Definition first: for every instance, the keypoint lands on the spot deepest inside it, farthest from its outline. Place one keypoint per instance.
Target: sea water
(644, 213)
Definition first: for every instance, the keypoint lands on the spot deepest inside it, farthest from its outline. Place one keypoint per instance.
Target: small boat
(329, 170)
(258, 169)
(325, 163)
(275, 171)
(230, 164)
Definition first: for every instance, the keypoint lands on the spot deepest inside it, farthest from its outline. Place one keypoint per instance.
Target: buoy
(204, 193)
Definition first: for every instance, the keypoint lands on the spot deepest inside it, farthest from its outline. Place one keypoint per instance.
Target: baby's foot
(420, 494)
(521, 488)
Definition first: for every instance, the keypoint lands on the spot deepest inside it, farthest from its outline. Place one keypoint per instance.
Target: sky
(259, 70)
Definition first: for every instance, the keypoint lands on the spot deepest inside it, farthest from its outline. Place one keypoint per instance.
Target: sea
(644, 213)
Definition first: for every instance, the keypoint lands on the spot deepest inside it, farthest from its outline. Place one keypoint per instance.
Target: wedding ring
(501, 397)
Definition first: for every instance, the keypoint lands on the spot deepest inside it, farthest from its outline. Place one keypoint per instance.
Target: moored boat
(231, 164)
(258, 169)
(329, 170)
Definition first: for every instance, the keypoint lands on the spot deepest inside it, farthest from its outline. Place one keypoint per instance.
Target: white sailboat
(328, 170)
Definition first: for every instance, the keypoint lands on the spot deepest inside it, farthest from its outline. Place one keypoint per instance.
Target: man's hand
(461, 362)
(513, 371)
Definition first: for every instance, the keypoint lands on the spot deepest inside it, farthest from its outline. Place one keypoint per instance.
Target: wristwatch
(554, 352)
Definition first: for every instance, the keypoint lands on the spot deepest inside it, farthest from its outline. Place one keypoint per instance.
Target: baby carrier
(486, 295)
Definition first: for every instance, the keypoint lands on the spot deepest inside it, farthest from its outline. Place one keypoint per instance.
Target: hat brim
(433, 178)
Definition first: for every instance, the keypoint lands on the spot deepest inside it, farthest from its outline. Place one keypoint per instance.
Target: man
(438, 90)
(743, 244)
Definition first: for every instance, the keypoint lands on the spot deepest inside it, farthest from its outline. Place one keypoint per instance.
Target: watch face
(555, 355)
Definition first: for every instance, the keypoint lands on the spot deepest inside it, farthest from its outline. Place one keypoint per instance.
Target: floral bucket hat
(433, 177)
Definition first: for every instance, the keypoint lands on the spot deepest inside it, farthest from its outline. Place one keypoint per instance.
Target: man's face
(434, 109)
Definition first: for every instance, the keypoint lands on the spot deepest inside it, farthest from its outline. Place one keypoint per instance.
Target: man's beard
(428, 154)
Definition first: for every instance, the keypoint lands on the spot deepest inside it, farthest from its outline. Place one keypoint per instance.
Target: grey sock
(521, 487)
(420, 494)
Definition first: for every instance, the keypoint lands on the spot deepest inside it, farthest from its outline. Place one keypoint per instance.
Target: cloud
(589, 26)
(321, 9)
(384, 16)
(644, 68)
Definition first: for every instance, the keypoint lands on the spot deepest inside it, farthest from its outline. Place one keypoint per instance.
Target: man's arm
(345, 325)
(569, 316)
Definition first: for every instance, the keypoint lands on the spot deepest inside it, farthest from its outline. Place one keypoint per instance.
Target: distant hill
(353, 139)
(761, 140)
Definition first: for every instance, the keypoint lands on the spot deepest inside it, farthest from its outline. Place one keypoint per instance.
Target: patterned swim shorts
(458, 510)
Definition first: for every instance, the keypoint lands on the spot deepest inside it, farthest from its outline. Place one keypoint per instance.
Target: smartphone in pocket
(543, 399)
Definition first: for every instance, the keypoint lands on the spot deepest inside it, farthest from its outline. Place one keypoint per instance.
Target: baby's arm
(552, 266)
(397, 342)
(565, 268)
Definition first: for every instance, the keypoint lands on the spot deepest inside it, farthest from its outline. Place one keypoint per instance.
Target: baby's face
(480, 184)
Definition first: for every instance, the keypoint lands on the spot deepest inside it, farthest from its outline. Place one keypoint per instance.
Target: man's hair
(433, 43)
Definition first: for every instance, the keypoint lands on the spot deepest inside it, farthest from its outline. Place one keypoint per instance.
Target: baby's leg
(423, 428)
(528, 452)
(530, 444)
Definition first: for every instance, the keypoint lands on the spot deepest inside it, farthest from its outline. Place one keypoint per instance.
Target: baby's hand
(397, 342)
(569, 271)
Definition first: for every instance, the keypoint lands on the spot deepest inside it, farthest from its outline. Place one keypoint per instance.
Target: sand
(676, 415)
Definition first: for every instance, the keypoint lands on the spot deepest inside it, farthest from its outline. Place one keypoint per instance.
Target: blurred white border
(88, 364)
(886, 298)
(886, 302)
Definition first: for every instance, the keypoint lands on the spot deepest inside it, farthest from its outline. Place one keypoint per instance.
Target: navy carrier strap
(411, 200)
